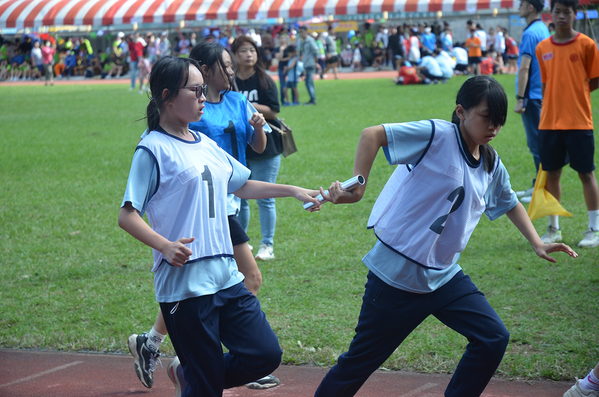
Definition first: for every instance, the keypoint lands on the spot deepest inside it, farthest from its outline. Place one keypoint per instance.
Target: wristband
(519, 97)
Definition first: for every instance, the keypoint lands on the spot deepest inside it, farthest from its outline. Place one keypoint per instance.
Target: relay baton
(356, 181)
(251, 110)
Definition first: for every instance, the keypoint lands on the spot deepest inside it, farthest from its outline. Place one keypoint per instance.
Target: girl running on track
(225, 121)
(447, 177)
(181, 179)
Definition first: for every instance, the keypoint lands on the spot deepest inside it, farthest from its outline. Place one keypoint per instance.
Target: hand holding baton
(356, 181)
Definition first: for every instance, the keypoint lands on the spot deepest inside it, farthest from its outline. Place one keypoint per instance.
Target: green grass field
(71, 279)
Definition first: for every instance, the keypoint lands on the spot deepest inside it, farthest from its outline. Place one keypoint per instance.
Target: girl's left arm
(258, 121)
(260, 190)
(519, 217)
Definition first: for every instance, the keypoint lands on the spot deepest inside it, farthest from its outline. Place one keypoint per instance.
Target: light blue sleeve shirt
(198, 278)
(407, 143)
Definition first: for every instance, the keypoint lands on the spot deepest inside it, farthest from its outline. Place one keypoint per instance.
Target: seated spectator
(461, 58)
(378, 54)
(59, 67)
(446, 63)
(347, 56)
(70, 64)
(19, 67)
(4, 70)
(486, 64)
(429, 68)
(407, 74)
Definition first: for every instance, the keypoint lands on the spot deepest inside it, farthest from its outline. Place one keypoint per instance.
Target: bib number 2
(438, 225)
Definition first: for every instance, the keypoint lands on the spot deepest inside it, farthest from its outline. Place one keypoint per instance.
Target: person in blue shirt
(528, 82)
(429, 40)
(447, 177)
(181, 178)
(70, 63)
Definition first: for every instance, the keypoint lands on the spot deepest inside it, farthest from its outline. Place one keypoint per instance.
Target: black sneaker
(264, 383)
(310, 103)
(145, 359)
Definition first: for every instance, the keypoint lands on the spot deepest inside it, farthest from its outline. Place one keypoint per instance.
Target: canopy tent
(37, 13)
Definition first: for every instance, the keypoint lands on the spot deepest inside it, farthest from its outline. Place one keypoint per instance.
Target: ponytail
(152, 115)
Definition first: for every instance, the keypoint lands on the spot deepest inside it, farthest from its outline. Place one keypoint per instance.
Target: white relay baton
(356, 181)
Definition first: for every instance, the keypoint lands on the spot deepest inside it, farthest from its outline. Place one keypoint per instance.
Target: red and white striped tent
(37, 13)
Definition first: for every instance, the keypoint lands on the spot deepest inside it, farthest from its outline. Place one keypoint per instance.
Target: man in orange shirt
(474, 51)
(569, 63)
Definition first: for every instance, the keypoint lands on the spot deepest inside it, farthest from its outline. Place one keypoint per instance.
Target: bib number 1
(207, 177)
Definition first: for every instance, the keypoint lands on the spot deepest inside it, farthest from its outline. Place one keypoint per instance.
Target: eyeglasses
(199, 89)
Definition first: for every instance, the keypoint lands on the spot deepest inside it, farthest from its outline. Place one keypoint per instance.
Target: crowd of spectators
(421, 53)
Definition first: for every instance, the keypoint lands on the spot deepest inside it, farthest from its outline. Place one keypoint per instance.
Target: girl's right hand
(176, 252)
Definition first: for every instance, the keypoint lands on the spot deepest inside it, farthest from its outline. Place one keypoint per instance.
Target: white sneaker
(553, 235)
(524, 193)
(577, 391)
(264, 383)
(590, 240)
(526, 199)
(265, 252)
(175, 374)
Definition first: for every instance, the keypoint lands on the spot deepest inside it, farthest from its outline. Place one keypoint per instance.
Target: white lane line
(27, 378)
(419, 389)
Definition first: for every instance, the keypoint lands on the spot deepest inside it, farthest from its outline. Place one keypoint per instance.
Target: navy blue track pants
(389, 315)
(197, 326)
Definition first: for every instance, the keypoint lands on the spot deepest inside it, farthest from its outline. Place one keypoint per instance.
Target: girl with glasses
(227, 122)
(181, 179)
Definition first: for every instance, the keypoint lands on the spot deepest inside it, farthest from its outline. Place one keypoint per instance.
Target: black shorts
(238, 235)
(556, 146)
(333, 59)
(474, 60)
(461, 67)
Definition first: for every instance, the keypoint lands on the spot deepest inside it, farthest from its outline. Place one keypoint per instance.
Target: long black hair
(475, 91)
(265, 80)
(211, 55)
(168, 73)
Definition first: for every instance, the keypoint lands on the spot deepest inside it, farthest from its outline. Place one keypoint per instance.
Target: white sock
(594, 219)
(554, 221)
(155, 339)
(590, 382)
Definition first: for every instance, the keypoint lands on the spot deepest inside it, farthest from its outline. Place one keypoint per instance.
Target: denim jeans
(133, 72)
(310, 70)
(282, 82)
(265, 170)
(389, 315)
(531, 118)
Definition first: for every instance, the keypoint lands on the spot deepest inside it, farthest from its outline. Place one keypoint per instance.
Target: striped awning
(37, 13)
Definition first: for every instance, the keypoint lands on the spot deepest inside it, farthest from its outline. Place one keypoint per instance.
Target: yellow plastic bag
(543, 203)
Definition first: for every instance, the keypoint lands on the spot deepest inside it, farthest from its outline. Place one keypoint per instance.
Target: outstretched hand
(543, 251)
(308, 196)
(176, 252)
(337, 194)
